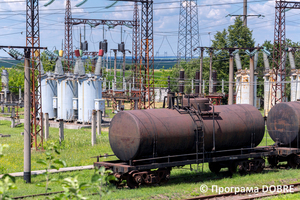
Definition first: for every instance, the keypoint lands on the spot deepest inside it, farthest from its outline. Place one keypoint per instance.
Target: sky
(211, 14)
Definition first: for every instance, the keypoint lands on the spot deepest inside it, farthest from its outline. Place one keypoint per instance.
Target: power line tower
(136, 44)
(278, 90)
(188, 33)
(146, 73)
(147, 53)
(68, 49)
(33, 40)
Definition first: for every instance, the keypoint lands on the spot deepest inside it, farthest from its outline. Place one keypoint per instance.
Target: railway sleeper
(136, 178)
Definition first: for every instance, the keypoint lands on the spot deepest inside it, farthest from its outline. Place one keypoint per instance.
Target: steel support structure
(33, 40)
(97, 22)
(278, 92)
(136, 47)
(68, 47)
(147, 54)
(188, 33)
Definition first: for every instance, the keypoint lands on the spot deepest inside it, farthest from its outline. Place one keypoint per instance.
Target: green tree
(236, 35)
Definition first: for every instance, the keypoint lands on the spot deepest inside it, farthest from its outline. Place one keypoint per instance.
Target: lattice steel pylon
(136, 47)
(33, 40)
(68, 47)
(278, 90)
(188, 31)
(147, 54)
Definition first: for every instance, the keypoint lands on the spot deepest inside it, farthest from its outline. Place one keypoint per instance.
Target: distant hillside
(8, 63)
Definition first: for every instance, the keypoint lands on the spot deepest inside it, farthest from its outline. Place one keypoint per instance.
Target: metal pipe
(99, 121)
(230, 95)
(27, 134)
(251, 95)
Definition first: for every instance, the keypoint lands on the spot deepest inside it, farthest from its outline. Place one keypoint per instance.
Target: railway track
(248, 196)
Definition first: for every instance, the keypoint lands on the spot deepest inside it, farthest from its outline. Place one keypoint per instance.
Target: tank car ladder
(197, 118)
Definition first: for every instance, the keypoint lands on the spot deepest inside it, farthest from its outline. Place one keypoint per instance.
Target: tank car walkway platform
(67, 169)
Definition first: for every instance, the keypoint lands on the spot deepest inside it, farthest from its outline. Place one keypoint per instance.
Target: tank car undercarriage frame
(157, 170)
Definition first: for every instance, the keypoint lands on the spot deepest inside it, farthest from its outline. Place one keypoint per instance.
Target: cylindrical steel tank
(142, 133)
(66, 91)
(49, 90)
(284, 123)
(89, 89)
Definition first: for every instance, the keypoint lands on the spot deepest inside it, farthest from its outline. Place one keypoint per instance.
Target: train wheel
(293, 161)
(273, 161)
(260, 165)
(131, 182)
(214, 167)
(232, 168)
(164, 176)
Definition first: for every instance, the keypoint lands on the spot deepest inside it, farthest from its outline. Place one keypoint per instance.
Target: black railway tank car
(161, 132)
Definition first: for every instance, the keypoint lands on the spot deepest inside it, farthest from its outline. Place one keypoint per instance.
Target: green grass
(183, 184)
(76, 150)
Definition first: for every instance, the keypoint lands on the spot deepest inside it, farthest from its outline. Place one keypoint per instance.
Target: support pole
(46, 125)
(201, 69)
(124, 64)
(13, 115)
(115, 65)
(245, 13)
(27, 134)
(61, 131)
(99, 121)
(93, 128)
(210, 72)
(230, 95)
(251, 95)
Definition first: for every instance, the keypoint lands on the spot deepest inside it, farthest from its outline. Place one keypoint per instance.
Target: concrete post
(192, 86)
(61, 131)
(93, 128)
(136, 104)
(223, 84)
(99, 121)
(27, 135)
(20, 95)
(251, 95)
(201, 69)
(230, 95)
(13, 115)
(46, 125)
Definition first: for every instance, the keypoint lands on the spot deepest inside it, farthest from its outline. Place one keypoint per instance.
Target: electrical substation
(158, 122)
